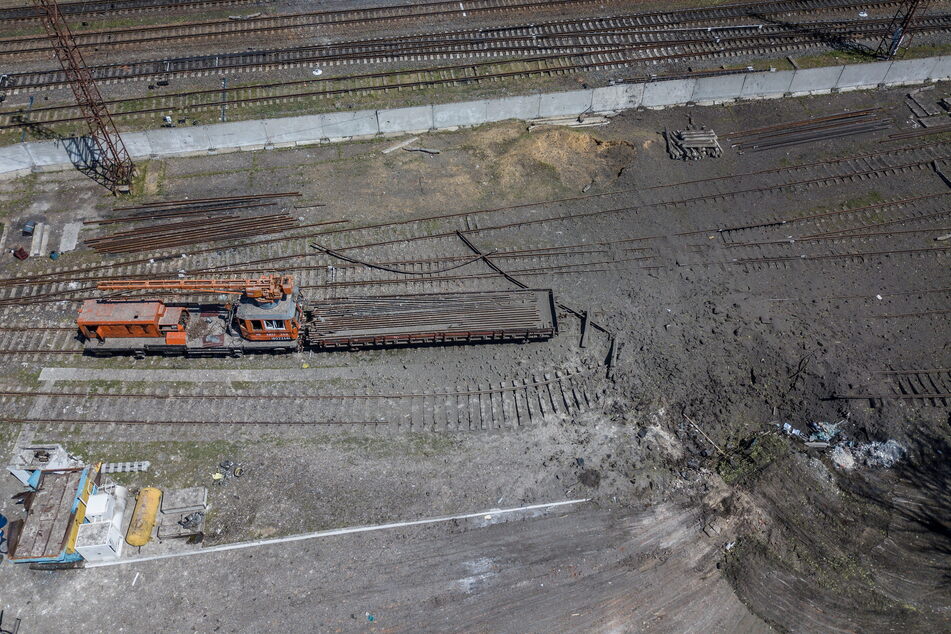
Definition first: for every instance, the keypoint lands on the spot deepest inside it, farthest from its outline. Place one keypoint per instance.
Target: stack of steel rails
(198, 206)
(191, 232)
(810, 130)
(519, 315)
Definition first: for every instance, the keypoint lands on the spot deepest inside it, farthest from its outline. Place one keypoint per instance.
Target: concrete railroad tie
(126, 467)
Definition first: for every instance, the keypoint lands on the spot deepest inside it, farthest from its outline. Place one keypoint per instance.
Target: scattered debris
(421, 149)
(245, 17)
(789, 430)
(192, 520)
(227, 469)
(874, 455)
(824, 432)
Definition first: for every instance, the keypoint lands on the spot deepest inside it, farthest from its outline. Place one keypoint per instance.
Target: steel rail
(884, 397)
(113, 7)
(308, 396)
(453, 43)
(83, 421)
(272, 24)
(546, 65)
(833, 256)
(51, 277)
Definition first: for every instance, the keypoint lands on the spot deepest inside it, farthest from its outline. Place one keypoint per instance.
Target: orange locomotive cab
(275, 321)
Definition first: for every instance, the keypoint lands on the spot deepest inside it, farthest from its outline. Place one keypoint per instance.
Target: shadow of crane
(81, 150)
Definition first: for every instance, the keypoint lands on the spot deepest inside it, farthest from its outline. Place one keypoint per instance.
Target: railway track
(929, 387)
(35, 343)
(12, 15)
(601, 57)
(484, 406)
(436, 235)
(274, 25)
(567, 36)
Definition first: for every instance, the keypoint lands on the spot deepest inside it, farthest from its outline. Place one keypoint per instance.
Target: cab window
(273, 324)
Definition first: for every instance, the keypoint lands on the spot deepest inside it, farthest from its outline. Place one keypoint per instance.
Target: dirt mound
(575, 158)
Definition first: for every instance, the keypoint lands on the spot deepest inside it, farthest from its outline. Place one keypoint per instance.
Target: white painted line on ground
(337, 531)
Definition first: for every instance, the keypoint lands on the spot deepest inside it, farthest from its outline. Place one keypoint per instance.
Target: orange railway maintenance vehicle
(270, 316)
(266, 318)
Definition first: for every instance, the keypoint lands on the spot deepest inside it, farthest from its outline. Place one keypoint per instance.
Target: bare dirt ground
(759, 298)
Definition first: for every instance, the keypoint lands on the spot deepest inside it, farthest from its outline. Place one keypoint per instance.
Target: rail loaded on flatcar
(271, 316)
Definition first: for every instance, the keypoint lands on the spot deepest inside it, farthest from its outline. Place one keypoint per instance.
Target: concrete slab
(857, 76)
(67, 241)
(717, 89)
(306, 129)
(235, 134)
(137, 144)
(761, 85)
(810, 81)
(178, 141)
(620, 97)
(401, 120)
(357, 123)
(521, 107)
(48, 155)
(39, 231)
(910, 71)
(466, 113)
(942, 68)
(658, 94)
(15, 161)
(184, 500)
(557, 104)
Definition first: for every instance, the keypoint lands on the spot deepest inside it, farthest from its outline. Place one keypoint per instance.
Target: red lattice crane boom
(110, 160)
(896, 35)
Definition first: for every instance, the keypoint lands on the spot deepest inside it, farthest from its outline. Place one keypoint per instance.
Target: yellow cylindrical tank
(143, 516)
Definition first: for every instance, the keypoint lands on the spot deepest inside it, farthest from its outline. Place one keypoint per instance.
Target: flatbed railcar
(431, 319)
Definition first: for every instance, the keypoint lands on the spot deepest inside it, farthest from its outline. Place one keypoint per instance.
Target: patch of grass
(22, 192)
(8, 434)
(174, 463)
(414, 444)
(751, 456)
